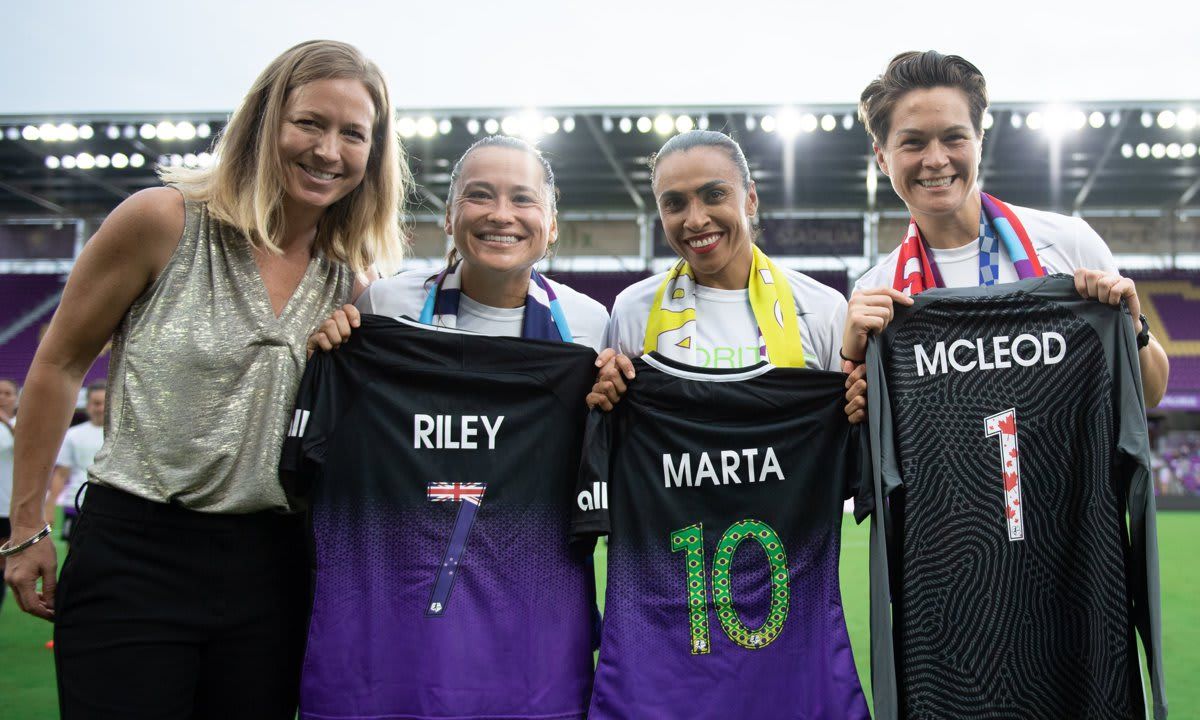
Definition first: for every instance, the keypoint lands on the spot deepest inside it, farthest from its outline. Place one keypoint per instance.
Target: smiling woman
(184, 593)
(501, 216)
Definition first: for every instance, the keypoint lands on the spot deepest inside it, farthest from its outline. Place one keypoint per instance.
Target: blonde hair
(244, 186)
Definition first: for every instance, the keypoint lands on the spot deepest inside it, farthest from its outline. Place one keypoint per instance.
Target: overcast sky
(84, 56)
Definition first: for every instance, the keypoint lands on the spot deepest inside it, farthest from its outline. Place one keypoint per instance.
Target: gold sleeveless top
(202, 376)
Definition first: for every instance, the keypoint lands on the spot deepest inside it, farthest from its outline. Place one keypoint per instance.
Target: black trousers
(167, 613)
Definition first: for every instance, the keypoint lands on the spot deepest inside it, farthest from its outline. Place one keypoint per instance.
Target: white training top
(6, 468)
(726, 331)
(405, 294)
(1063, 245)
(79, 448)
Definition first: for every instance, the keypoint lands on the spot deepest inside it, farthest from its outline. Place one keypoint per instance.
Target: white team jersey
(405, 293)
(79, 448)
(726, 331)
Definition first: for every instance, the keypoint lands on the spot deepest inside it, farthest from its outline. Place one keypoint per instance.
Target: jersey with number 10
(721, 493)
(1010, 439)
(441, 468)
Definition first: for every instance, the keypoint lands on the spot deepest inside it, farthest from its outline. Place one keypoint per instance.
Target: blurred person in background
(79, 448)
(9, 391)
(189, 596)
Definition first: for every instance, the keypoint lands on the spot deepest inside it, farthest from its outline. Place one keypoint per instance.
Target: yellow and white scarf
(671, 327)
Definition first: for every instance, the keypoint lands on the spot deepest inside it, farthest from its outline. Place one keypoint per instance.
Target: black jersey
(721, 492)
(1008, 430)
(441, 469)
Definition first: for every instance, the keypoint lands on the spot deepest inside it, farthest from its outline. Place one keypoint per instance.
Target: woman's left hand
(1110, 288)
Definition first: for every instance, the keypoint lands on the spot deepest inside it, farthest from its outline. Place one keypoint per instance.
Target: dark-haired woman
(925, 117)
(501, 216)
(725, 304)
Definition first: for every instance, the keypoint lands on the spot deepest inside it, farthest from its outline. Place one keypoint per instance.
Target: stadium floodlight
(129, 132)
(626, 125)
(1076, 119)
(530, 125)
(848, 121)
(473, 126)
(664, 124)
(550, 125)
(203, 130)
(190, 160)
(85, 161)
(1096, 119)
(645, 124)
(1142, 150)
(205, 159)
(30, 133)
(491, 126)
(988, 120)
(568, 124)
(751, 123)
(176, 160)
(1114, 118)
(406, 126)
(1127, 150)
(112, 132)
(510, 126)
(1016, 120)
(607, 124)
(788, 122)
(185, 130)
(68, 162)
(426, 126)
(68, 132)
(828, 123)
(137, 160)
(1174, 151)
(1033, 121)
(767, 123)
(702, 123)
(684, 123)
(1185, 119)
(147, 131)
(102, 161)
(48, 132)
(165, 130)
(808, 123)
(86, 132)
(52, 162)
(1147, 119)
(120, 161)
(1158, 151)
(1188, 150)
(12, 133)
(1166, 119)
(445, 126)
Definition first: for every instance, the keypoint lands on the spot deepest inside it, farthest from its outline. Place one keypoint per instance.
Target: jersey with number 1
(440, 469)
(1010, 439)
(721, 492)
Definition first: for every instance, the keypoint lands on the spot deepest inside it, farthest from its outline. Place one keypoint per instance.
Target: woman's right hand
(335, 330)
(869, 311)
(22, 571)
(615, 370)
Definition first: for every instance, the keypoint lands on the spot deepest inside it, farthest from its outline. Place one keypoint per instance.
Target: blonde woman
(185, 591)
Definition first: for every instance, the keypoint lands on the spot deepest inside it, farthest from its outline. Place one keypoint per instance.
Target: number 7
(1005, 425)
(470, 498)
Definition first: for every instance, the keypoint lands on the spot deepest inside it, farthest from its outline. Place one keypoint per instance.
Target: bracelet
(842, 355)
(8, 548)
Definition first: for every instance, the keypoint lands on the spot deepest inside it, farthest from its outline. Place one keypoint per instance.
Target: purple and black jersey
(1015, 554)
(721, 493)
(440, 468)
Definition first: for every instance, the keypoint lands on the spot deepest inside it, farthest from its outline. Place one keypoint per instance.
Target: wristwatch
(1143, 338)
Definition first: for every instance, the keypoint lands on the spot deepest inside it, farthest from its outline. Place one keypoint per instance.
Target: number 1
(1005, 425)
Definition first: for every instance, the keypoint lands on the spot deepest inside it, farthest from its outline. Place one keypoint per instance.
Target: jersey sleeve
(318, 405)
(1133, 448)
(884, 477)
(589, 516)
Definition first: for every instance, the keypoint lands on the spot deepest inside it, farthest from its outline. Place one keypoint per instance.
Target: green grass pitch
(27, 667)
